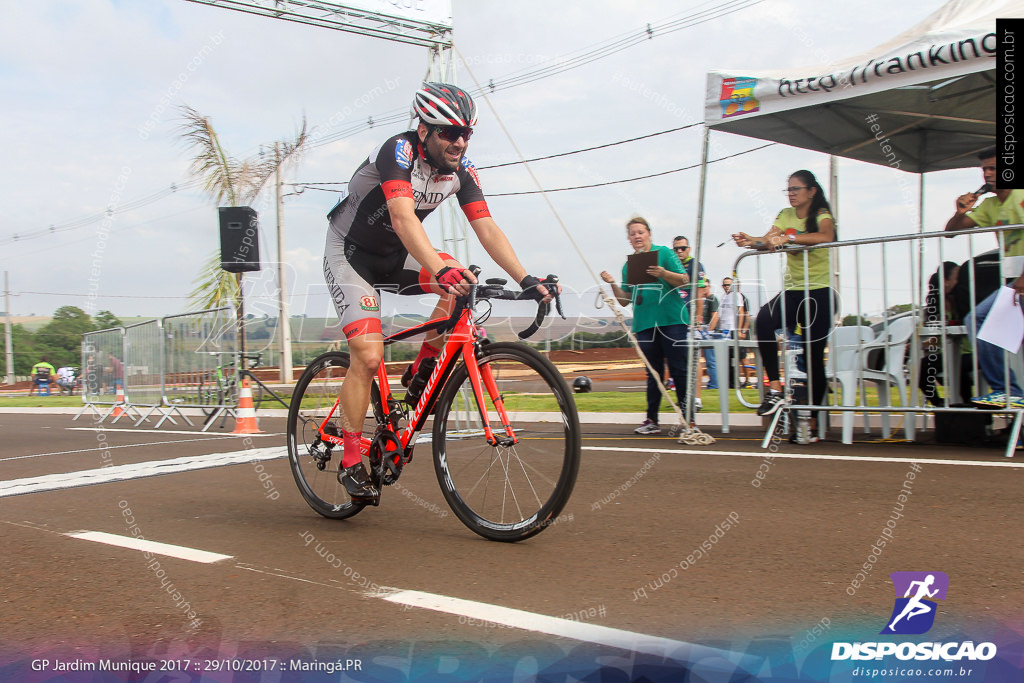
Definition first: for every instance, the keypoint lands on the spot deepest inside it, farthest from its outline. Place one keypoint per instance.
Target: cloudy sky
(91, 90)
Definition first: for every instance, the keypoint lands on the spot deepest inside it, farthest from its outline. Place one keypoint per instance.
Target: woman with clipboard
(650, 278)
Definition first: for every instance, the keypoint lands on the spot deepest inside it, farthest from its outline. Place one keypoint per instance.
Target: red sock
(350, 456)
(426, 351)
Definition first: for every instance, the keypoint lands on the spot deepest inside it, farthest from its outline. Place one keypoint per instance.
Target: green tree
(25, 353)
(230, 182)
(853, 320)
(60, 340)
(104, 320)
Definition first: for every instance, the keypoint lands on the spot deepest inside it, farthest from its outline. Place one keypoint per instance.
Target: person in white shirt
(66, 379)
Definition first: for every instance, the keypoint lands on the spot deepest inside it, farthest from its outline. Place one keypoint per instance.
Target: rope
(690, 433)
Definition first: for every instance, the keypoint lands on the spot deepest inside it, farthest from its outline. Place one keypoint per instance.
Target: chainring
(386, 459)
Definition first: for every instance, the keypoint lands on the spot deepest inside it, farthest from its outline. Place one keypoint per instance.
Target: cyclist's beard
(440, 162)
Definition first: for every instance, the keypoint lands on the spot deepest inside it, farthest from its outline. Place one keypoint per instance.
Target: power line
(564, 63)
(589, 149)
(85, 221)
(568, 62)
(626, 180)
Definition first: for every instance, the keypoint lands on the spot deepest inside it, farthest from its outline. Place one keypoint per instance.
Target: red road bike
(505, 433)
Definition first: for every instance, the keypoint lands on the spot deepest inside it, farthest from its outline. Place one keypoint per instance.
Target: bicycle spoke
(507, 491)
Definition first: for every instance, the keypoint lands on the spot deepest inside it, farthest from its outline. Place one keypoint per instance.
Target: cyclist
(376, 241)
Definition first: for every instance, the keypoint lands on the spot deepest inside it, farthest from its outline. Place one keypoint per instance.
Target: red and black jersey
(398, 168)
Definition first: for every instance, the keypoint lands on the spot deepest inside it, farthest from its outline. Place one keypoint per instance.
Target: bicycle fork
(481, 378)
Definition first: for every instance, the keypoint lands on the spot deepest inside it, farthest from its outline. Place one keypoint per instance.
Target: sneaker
(697, 404)
(357, 483)
(773, 400)
(995, 399)
(670, 384)
(648, 427)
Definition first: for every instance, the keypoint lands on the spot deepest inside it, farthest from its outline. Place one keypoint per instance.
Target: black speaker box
(239, 239)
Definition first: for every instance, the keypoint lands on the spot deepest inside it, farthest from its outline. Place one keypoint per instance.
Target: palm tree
(228, 182)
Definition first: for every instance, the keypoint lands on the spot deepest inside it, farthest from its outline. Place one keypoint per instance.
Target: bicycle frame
(462, 341)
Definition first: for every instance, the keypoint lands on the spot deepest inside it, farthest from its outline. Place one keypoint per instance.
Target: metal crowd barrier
(891, 275)
(143, 345)
(200, 360)
(102, 370)
(180, 361)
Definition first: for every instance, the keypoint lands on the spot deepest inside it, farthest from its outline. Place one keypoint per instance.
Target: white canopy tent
(931, 88)
(923, 101)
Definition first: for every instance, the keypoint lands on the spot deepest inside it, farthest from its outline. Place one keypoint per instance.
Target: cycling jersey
(398, 168)
(363, 253)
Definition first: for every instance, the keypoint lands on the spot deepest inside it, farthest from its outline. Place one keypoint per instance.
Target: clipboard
(637, 265)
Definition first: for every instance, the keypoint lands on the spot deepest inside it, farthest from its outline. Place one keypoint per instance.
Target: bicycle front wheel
(315, 464)
(511, 491)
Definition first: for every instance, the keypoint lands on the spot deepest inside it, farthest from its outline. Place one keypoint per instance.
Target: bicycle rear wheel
(315, 464)
(508, 492)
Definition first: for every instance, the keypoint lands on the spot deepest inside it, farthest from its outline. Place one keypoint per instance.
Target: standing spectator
(116, 369)
(1005, 208)
(659, 317)
(695, 272)
(733, 321)
(42, 375)
(709, 330)
(91, 377)
(807, 295)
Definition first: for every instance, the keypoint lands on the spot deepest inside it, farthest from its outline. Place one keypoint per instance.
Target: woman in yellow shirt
(808, 300)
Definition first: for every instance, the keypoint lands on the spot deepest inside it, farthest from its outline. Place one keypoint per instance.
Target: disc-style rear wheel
(315, 463)
(509, 491)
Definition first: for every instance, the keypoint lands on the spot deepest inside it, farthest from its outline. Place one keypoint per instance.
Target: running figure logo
(914, 613)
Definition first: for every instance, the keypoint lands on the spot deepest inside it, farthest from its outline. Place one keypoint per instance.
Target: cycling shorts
(355, 277)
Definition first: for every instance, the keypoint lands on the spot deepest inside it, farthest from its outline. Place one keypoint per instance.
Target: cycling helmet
(444, 105)
(582, 385)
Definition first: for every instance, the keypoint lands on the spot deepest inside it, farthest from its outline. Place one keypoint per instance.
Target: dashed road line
(153, 468)
(167, 549)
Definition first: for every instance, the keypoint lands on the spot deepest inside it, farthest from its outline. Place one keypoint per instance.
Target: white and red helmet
(442, 104)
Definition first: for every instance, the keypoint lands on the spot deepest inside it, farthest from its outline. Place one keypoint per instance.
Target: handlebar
(494, 290)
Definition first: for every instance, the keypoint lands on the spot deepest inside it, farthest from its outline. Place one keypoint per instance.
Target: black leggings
(818, 307)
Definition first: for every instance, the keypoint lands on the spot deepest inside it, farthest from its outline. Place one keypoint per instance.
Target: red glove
(449, 278)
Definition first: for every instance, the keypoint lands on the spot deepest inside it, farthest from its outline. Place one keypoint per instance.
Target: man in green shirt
(1005, 208)
(42, 375)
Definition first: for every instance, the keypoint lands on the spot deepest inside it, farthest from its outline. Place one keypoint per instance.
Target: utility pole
(7, 331)
(284, 327)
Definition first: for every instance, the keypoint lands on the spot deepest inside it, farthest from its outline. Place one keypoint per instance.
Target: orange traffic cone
(245, 418)
(118, 402)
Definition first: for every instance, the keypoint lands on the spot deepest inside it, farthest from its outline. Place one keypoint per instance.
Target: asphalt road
(661, 545)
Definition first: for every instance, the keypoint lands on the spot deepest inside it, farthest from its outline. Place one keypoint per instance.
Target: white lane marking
(113, 430)
(103, 475)
(181, 552)
(807, 456)
(555, 626)
(131, 445)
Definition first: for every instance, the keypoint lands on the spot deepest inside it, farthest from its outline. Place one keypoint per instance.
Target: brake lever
(551, 281)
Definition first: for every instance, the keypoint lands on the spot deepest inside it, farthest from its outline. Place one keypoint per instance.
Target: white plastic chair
(891, 345)
(843, 362)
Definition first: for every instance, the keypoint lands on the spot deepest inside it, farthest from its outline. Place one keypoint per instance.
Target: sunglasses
(796, 188)
(681, 248)
(453, 133)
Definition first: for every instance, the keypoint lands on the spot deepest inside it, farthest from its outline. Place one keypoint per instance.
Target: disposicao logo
(913, 614)
(914, 611)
